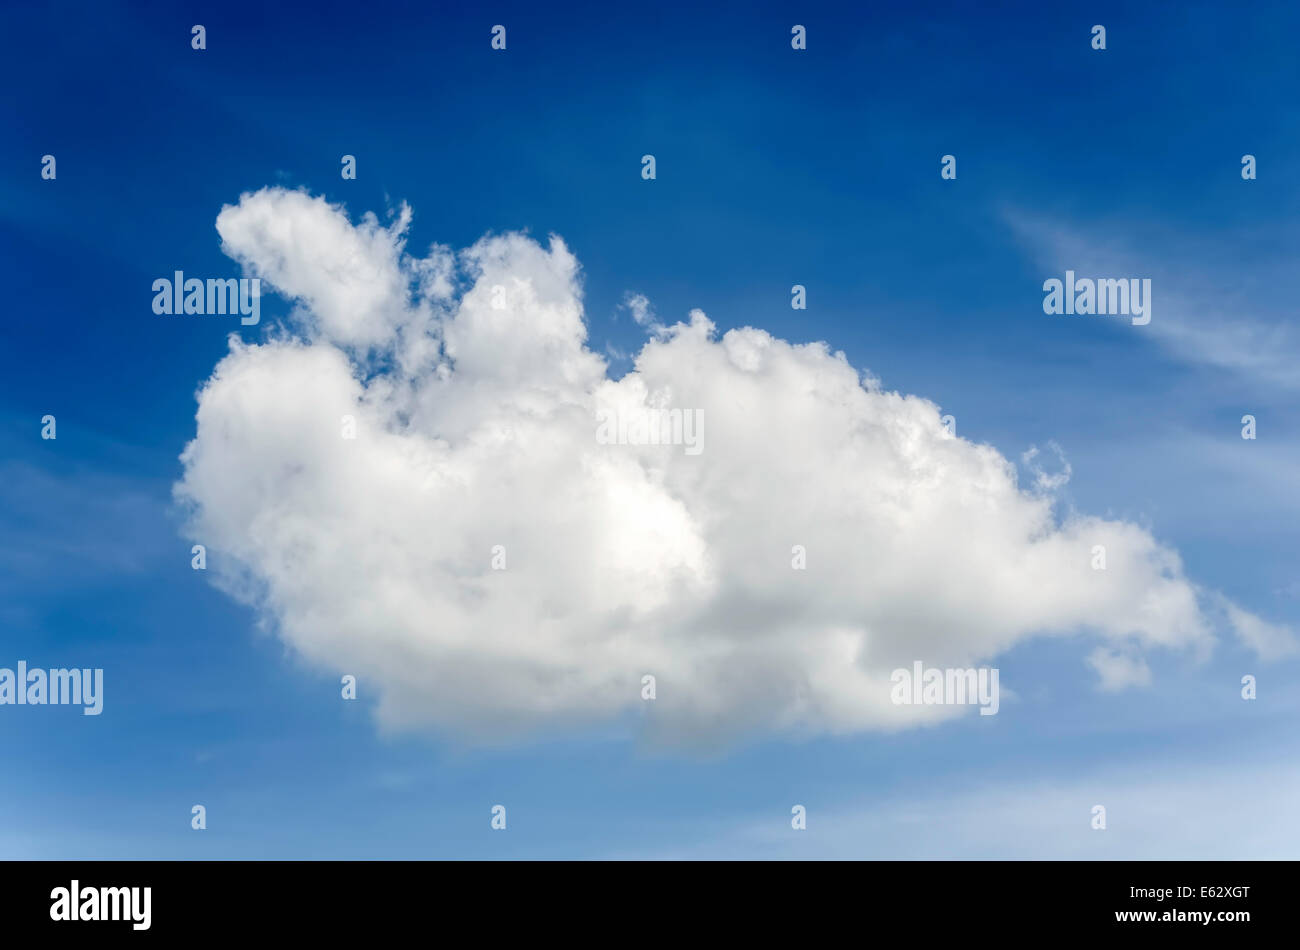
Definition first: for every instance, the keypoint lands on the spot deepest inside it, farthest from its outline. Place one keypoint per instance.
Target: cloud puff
(1118, 670)
(477, 407)
(1270, 641)
(642, 313)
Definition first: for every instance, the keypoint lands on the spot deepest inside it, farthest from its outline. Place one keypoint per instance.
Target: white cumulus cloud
(476, 405)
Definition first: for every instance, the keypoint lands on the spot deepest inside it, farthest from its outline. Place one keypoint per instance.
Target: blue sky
(774, 167)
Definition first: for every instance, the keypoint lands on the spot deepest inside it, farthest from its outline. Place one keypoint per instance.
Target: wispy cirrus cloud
(1221, 304)
(1173, 811)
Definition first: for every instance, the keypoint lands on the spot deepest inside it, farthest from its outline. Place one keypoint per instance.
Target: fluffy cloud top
(477, 405)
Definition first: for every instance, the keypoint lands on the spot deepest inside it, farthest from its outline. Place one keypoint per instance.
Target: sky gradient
(774, 167)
